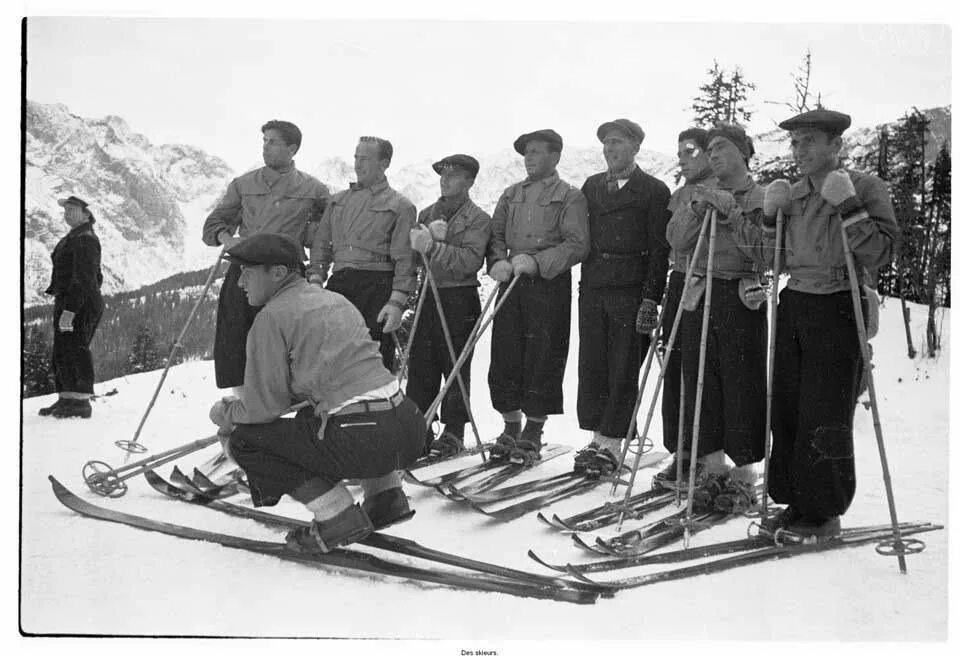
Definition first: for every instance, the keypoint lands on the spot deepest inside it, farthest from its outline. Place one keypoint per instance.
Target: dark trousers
(670, 395)
(282, 455)
(429, 360)
(732, 415)
(817, 365)
(368, 291)
(610, 355)
(72, 360)
(234, 318)
(528, 353)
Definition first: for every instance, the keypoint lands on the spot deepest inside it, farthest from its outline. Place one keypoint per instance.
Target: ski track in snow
(83, 576)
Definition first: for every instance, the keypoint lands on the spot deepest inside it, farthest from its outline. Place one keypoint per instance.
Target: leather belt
(391, 402)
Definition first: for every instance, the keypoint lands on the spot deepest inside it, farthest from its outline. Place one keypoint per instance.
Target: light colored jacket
(456, 260)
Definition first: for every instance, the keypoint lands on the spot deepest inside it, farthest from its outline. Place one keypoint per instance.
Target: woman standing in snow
(75, 286)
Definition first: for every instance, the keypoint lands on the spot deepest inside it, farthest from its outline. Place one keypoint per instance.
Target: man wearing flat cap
(818, 361)
(364, 235)
(694, 163)
(311, 344)
(452, 235)
(276, 198)
(540, 231)
(621, 283)
(731, 414)
(77, 307)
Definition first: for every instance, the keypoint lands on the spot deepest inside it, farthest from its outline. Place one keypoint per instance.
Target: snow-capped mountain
(148, 199)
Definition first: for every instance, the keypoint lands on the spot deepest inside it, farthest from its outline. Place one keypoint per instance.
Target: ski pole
(896, 545)
(468, 348)
(405, 354)
(772, 301)
(109, 482)
(133, 445)
(701, 367)
(453, 353)
(663, 367)
(682, 411)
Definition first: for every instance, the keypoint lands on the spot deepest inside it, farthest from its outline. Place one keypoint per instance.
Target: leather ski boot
(48, 410)
(387, 508)
(73, 408)
(321, 537)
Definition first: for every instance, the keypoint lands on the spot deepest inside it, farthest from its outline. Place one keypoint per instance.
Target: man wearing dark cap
(694, 165)
(365, 235)
(452, 234)
(621, 283)
(540, 231)
(77, 307)
(307, 343)
(276, 198)
(818, 360)
(731, 413)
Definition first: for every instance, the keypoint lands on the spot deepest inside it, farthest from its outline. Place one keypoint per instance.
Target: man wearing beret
(695, 169)
(77, 307)
(731, 413)
(540, 231)
(365, 235)
(276, 198)
(818, 360)
(452, 234)
(621, 283)
(308, 343)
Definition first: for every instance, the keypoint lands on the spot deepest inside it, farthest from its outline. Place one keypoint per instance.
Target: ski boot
(668, 477)
(810, 531)
(445, 445)
(601, 463)
(584, 455)
(73, 408)
(526, 452)
(49, 410)
(346, 527)
(736, 498)
(705, 496)
(780, 520)
(387, 508)
(503, 448)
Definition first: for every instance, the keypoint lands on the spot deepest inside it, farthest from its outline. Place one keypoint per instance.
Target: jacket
(546, 219)
(367, 228)
(456, 260)
(76, 276)
(266, 201)
(684, 195)
(628, 244)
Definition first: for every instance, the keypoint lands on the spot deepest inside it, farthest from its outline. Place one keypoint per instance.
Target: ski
(609, 512)
(579, 485)
(478, 490)
(454, 476)
(466, 452)
(232, 478)
(178, 477)
(691, 553)
(768, 553)
(483, 495)
(376, 540)
(341, 558)
(671, 530)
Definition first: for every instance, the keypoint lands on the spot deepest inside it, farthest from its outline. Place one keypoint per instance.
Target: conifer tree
(37, 372)
(723, 98)
(143, 357)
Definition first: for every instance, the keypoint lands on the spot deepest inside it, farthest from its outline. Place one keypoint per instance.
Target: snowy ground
(83, 577)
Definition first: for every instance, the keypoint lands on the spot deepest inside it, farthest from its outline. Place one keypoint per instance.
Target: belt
(391, 402)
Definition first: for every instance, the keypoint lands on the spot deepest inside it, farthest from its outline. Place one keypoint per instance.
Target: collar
(747, 186)
(801, 188)
(290, 282)
(707, 180)
(375, 188)
(77, 230)
(625, 174)
(549, 181)
(276, 174)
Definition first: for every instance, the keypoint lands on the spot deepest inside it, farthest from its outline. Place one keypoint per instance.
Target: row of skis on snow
(495, 489)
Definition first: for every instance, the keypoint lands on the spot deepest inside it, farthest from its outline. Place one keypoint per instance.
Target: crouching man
(311, 344)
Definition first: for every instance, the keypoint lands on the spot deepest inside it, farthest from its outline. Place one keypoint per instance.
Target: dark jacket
(628, 244)
(76, 277)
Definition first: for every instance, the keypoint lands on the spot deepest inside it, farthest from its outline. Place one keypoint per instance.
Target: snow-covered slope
(86, 577)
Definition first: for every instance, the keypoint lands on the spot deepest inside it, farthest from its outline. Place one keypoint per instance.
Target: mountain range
(151, 200)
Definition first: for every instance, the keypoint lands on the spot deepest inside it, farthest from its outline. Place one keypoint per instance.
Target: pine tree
(37, 373)
(144, 356)
(938, 249)
(722, 98)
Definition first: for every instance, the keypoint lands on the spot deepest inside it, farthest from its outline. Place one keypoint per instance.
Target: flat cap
(547, 135)
(73, 200)
(735, 134)
(465, 162)
(829, 121)
(265, 249)
(628, 126)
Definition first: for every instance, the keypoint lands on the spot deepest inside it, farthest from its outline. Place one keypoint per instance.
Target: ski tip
(572, 571)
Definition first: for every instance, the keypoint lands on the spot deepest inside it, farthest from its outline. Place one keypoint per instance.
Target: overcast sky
(434, 88)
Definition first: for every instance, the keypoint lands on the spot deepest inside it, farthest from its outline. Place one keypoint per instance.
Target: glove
(65, 324)
(501, 271)
(421, 240)
(438, 229)
(837, 188)
(721, 201)
(218, 413)
(318, 274)
(647, 317)
(390, 316)
(524, 264)
(775, 198)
